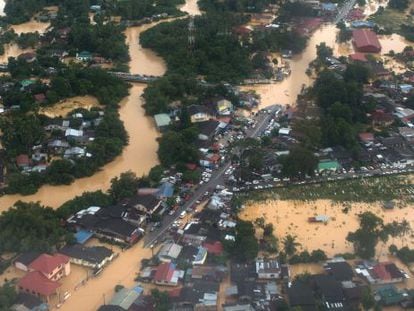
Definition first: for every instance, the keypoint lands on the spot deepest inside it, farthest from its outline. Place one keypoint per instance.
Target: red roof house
(36, 283)
(358, 57)
(366, 41)
(22, 160)
(53, 267)
(387, 272)
(366, 137)
(165, 274)
(215, 248)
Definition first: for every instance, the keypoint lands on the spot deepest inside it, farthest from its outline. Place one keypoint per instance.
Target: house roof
(387, 271)
(300, 294)
(341, 271)
(166, 190)
(330, 288)
(22, 159)
(48, 263)
(162, 119)
(170, 250)
(208, 127)
(194, 109)
(366, 137)
(164, 272)
(124, 298)
(365, 38)
(359, 57)
(36, 282)
(215, 248)
(27, 258)
(95, 254)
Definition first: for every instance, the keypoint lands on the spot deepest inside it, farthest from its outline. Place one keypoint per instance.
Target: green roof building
(162, 120)
(389, 295)
(328, 166)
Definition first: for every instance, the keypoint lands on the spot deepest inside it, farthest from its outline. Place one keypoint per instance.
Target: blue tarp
(82, 236)
(166, 190)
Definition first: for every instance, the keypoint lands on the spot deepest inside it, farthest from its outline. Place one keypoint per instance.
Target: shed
(162, 120)
(328, 166)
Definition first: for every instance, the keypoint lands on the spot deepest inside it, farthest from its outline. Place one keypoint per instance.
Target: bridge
(134, 77)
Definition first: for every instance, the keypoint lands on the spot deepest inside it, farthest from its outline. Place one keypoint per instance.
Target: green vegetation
(135, 10)
(300, 162)
(31, 227)
(366, 238)
(8, 296)
(245, 248)
(343, 109)
(161, 300)
(217, 54)
(405, 254)
(235, 5)
(401, 5)
(306, 257)
(124, 186)
(20, 11)
(87, 199)
(355, 190)
(394, 21)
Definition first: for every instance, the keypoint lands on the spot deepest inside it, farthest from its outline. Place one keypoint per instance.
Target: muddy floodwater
(286, 91)
(139, 156)
(62, 108)
(291, 217)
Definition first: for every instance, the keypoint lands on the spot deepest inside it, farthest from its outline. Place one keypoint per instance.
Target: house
(54, 267)
(23, 161)
(207, 129)
(36, 283)
(358, 57)
(194, 234)
(214, 248)
(238, 307)
(74, 152)
(224, 107)
(169, 252)
(165, 190)
(28, 57)
(208, 273)
(328, 166)
(166, 274)
(366, 41)
(23, 261)
(366, 137)
(300, 295)
(125, 297)
(84, 56)
(339, 269)
(381, 273)
(162, 121)
(198, 113)
(268, 268)
(93, 257)
(28, 302)
(381, 118)
(330, 291)
(40, 98)
(195, 255)
(390, 295)
(150, 203)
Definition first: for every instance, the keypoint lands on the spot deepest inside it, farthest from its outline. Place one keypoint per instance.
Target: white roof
(73, 132)
(284, 131)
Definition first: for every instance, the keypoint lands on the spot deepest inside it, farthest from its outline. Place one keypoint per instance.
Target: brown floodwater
(31, 26)
(291, 217)
(12, 50)
(286, 91)
(62, 108)
(139, 156)
(191, 7)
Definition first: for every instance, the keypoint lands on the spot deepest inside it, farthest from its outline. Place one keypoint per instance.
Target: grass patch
(368, 190)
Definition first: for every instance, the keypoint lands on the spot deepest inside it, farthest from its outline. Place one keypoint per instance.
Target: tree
(367, 301)
(323, 51)
(160, 299)
(8, 296)
(245, 247)
(31, 227)
(290, 245)
(299, 163)
(87, 199)
(367, 236)
(124, 186)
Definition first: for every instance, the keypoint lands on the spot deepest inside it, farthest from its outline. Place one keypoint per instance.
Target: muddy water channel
(139, 156)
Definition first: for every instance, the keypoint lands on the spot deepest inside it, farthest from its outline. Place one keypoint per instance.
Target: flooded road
(139, 156)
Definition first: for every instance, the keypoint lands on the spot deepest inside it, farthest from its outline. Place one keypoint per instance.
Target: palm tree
(405, 229)
(290, 245)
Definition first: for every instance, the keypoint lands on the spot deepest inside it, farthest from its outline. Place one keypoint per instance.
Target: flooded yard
(291, 217)
(65, 106)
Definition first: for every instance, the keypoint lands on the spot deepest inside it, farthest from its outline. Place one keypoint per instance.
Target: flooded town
(207, 155)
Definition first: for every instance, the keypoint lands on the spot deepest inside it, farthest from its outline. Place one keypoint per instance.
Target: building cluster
(66, 138)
